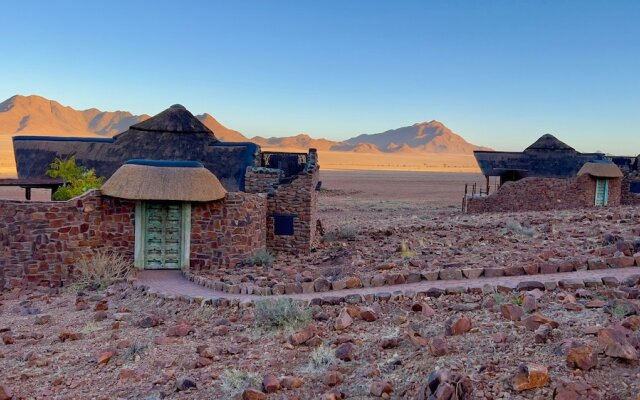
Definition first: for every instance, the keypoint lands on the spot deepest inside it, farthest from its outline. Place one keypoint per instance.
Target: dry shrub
(282, 313)
(101, 269)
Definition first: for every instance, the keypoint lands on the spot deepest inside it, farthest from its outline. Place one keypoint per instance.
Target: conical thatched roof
(549, 142)
(174, 119)
(164, 180)
(601, 170)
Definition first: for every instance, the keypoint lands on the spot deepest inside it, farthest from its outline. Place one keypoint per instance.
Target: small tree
(77, 179)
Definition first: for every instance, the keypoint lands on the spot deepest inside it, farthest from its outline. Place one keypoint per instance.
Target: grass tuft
(100, 270)
(234, 381)
(282, 313)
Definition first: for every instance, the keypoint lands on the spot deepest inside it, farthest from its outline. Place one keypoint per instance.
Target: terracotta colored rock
(543, 333)
(253, 394)
(438, 346)
(512, 312)
(8, 339)
(582, 358)
(180, 330)
(595, 304)
(303, 335)
(616, 343)
(353, 282)
(67, 334)
(291, 382)
(632, 322)
(344, 320)
(105, 357)
(332, 378)
(389, 343)
(42, 319)
(445, 384)
(221, 330)
(102, 305)
(368, 314)
(345, 352)
(529, 303)
(5, 393)
(530, 376)
(270, 383)
(378, 388)
(534, 321)
(457, 325)
(493, 272)
(415, 337)
(126, 374)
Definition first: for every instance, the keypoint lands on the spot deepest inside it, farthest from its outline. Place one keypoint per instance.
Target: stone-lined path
(172, 283)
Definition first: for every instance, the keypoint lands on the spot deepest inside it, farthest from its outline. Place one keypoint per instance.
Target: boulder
(457, 325)
(582, 357)
(530, 376)
(615, 341)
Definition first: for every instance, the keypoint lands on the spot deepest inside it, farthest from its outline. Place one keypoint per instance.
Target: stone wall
(228, 231)
(298, 198)
(629, 198)
(261, 180)
(41, 242)
(542, 194)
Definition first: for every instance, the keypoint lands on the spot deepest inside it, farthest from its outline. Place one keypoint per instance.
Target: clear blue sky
(500, 73)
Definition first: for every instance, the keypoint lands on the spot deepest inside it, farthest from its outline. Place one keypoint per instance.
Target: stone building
(175, 198)
(550, 175)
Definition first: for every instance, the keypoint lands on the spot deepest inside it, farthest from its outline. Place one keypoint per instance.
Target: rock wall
(228, 231)
(298, 198)
(41, 242)
(629, 198)
(543, 194)
(261, 180)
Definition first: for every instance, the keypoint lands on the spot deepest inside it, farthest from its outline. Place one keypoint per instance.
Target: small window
(635, 187)
(283, 224)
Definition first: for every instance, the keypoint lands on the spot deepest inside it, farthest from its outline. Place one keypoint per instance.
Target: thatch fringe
(601, 170)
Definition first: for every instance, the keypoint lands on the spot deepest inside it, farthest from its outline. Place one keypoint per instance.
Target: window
(635, 187)
(283, 224)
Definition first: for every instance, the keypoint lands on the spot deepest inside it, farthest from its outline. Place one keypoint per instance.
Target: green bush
(282, 313)
(77, 179)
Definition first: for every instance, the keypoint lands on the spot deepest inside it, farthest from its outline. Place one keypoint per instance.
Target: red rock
(102, 305)
(512, 312)
(632, 322)
(203, 362)
(345, 352)
(8, 339)
(66, 334)
(333, 394)
(534, 321)
(5, 393)
(530, 376)
(415, 337)
(105, 357)
(291, 382)
(42, 319)
(332, 378)
(499, 337)
(81, 304)
(221, 330)
(438, 346)
(180, 330)
(126, 374)
(389, 343)
(368, 314)
(583, 358)
(344, 320)
(616, 343)
(253, 394)
(270, 383)
(457, 325)
(595, 304)
(378, 388)
(303, 335)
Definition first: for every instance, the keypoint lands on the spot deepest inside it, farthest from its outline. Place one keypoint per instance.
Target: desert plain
(573, 339)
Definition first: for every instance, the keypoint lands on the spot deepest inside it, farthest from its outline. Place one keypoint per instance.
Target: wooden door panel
(163, 235)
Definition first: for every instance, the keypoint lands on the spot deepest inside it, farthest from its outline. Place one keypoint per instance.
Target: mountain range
(35, 115)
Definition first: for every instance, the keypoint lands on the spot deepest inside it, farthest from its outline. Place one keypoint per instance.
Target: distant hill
(35, 115)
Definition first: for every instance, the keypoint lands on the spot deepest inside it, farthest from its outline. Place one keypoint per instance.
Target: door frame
(185, 233)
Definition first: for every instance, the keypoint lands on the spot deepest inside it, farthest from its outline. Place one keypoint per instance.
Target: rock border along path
(171, 283)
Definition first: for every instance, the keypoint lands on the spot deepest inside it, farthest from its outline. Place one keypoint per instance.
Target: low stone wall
(41, 242)
(228, 231)
(261, 180)
(629, 198)
(544, 194)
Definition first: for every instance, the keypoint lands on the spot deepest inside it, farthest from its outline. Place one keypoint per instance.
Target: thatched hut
(605, 179)
(164, 192)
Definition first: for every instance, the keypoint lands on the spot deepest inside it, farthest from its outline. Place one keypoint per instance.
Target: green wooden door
(602, 192)
(163, 236)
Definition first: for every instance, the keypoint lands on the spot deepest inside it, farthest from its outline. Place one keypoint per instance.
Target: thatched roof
(164, 180)
(174, 119)
(601, 170)
(549, 142)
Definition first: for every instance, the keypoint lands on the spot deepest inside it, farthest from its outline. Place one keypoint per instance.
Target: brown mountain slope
(301, 141)
(35, 115)
(222, 132)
